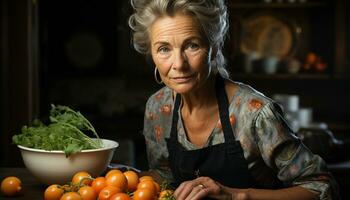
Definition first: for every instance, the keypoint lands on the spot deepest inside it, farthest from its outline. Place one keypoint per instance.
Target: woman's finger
(198, 192)
(184, 189)
(179, 190)
(197, 188)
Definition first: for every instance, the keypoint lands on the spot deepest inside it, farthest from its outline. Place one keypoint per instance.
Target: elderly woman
(212, 137)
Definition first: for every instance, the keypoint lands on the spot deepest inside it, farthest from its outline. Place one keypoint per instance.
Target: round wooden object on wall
(268, 36)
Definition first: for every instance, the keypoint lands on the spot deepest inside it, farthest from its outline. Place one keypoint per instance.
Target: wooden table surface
(31, 188)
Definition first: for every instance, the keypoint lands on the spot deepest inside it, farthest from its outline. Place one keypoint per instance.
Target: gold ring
(201, 186)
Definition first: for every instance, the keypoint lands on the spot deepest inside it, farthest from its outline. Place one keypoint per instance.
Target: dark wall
(19, 88)
(85, 60)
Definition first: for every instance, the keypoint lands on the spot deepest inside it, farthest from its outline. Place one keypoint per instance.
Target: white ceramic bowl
(53, 167)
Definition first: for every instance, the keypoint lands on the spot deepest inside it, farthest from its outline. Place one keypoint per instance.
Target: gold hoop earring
(156, 76)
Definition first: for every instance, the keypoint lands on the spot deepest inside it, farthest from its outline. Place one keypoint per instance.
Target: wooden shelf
(300, 76)
(283, 76)
(279, 5)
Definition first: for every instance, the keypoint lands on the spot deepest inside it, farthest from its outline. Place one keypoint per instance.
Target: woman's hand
(206, 187)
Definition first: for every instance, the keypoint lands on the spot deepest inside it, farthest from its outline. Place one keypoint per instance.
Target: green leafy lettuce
(66, 132)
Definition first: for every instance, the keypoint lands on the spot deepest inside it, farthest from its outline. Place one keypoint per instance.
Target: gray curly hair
(211, 14)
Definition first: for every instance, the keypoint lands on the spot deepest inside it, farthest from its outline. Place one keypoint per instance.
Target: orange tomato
(118, 180)
(133, 180)
(71, 196)
(98, 184)
(157, 187)
(107, 192)
(11, 186)
(53, 192)
(148, 184)
(144, 194)
(110, 172)
(120, 196)
(87, 193)
(143, 178)
(311, 58)
(82, 178)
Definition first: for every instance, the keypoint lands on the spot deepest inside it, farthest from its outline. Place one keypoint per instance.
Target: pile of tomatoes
(115, 185)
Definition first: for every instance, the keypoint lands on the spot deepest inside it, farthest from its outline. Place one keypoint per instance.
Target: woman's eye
(163, 49)
(192, 46)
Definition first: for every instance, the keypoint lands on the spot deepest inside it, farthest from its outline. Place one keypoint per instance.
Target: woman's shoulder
(161, 101)
(158, 114)
(164, 94)
(247, 96)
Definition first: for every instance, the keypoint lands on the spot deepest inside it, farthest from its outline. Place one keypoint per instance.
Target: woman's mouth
(182, 79)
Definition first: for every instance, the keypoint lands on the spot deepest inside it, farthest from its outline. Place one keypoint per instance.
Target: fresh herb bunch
(66, 132)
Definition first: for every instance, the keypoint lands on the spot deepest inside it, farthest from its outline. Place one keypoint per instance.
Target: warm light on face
(180, 52)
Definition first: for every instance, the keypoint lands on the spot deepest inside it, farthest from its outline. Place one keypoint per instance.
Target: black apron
(224, 163)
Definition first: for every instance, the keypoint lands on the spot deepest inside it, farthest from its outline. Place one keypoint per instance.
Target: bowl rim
(114, 144)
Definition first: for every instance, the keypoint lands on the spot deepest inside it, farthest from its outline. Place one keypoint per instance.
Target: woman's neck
(203, 97)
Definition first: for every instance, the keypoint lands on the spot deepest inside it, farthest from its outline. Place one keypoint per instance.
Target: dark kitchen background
(78, 53)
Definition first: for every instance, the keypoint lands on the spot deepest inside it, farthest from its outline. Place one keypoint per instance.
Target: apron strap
(173, 131)
(224, 109)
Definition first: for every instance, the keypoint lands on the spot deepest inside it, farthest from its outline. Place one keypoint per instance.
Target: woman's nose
(180, 59)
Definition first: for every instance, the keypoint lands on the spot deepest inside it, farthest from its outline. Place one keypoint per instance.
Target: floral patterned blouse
(273, 152)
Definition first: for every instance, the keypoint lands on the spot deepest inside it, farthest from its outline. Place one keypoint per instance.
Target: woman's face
(180, 52)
